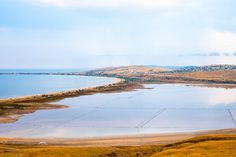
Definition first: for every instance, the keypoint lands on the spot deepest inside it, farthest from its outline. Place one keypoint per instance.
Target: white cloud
(216, 41)
(145, 4)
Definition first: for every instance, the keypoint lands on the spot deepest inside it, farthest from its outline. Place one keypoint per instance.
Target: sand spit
(118, 86)
(11, 109)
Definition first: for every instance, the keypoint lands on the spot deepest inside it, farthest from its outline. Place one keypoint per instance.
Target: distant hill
(196, 68)
(167, 67)
(206, 68)
(153, 69)
(123, 70)
(222, 74)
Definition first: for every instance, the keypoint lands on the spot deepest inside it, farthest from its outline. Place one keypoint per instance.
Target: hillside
(202, 146)
(208, 74)
(124, 70)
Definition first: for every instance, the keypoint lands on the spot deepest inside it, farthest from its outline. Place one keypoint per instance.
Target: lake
(21, 85)
(164, 108)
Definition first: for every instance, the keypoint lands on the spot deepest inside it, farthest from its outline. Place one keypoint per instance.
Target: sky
(99, 33)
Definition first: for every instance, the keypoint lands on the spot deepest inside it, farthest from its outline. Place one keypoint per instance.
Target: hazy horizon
(91, 68)
(71, 34)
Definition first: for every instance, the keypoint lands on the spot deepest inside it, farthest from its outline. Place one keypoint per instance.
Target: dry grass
(221, 76)
(150, 74)
(207, 146)
(134, 70)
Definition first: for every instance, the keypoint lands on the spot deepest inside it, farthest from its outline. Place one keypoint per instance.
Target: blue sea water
(21, 85)
(40, 70)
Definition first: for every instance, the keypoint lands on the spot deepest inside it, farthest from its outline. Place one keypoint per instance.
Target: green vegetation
(207, 146)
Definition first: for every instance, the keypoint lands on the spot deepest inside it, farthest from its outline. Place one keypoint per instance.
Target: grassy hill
(202, 146)
(225, 74)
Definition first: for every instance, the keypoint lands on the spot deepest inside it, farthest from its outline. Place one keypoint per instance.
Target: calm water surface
(21, 85)
(165, 108)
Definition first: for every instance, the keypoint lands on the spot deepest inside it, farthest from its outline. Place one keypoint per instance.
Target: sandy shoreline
(134, 140)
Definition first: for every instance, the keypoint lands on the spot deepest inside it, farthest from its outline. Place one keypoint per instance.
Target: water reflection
(222, 97)
(165, 108)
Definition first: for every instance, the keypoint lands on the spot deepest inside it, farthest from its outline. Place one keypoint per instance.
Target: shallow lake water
(162, 109)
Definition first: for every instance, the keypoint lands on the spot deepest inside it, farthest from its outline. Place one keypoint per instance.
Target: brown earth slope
(220, 74)
(201, 146)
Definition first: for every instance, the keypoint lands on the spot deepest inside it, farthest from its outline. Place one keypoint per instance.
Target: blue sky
(97, 33)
